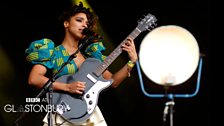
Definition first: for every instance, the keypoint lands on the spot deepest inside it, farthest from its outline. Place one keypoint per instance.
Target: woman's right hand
(76, 87)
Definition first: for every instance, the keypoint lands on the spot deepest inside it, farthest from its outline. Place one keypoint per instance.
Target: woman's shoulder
(40, 49)
(41, 44)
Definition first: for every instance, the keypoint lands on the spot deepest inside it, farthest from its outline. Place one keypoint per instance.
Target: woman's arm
(37, 79)
(124, 72)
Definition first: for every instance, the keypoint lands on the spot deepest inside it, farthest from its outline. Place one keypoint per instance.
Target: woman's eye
(78, 20)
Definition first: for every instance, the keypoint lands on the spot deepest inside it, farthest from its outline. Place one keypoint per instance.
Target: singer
(78, 23)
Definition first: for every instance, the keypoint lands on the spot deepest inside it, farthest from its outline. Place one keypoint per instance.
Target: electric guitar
(78, 108)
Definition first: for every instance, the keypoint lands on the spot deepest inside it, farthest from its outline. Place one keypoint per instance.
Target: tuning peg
(155, 24)
(149, 15)
(149, 29)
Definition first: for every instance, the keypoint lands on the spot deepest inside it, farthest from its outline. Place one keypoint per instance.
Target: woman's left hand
(129, 47)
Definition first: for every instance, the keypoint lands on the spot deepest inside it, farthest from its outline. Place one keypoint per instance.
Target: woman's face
(76, 25)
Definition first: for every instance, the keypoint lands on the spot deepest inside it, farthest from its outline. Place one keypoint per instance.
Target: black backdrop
(22, 22)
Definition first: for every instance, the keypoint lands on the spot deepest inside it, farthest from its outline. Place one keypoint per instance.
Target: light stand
(169, 105)
(168, 109)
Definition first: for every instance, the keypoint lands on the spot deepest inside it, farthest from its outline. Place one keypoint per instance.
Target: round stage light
(169, 55)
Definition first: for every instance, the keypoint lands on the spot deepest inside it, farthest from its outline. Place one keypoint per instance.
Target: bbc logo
(32, 99)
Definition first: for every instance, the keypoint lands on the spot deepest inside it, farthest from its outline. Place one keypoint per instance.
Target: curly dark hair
(66, 16)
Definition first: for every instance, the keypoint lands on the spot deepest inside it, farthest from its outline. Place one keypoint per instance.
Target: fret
(104, 65)
(106, 62)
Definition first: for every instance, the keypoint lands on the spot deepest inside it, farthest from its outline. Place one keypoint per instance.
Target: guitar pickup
(91, 78)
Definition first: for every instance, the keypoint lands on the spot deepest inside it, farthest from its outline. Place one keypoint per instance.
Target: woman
(45, 56)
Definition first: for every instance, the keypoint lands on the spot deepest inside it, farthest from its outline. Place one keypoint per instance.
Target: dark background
(23, 22)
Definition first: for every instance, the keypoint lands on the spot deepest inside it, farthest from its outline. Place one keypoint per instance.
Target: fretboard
(113, 55)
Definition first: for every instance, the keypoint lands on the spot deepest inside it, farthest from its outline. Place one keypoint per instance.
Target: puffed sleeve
(40, 52)
(95, 50)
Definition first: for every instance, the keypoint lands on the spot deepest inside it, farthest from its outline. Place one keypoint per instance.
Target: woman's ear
(66, 24)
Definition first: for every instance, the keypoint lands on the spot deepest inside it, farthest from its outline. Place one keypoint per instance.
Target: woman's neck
(70, 44)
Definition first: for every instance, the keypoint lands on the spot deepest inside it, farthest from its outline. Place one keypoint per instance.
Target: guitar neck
(113, 55)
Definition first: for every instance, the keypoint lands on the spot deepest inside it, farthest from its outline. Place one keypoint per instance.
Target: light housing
(169, 55)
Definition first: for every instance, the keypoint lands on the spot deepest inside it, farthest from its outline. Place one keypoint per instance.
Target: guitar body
(78, 108)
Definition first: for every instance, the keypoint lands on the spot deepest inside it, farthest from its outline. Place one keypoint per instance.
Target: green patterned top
(44, 52)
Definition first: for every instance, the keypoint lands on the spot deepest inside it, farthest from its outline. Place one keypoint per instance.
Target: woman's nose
(85, 25)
